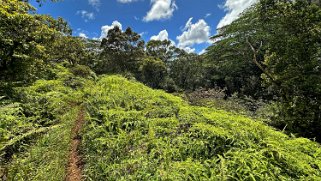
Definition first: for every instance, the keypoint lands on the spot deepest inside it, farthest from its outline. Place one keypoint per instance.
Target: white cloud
(208, 15)
(189, 50)
(95, 3)
(83, 35)
(161, 9)
(162, 35)
(143, 33)
(95, 38)
(106, 28)
(86, 15)
(202, 52)
(234, 8)
(126, 1)
(194, 34)
(188, 24)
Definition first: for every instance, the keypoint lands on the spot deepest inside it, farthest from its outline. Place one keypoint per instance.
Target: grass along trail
(74, 167)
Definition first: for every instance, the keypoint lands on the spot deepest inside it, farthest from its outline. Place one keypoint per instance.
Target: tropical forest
(243, 106)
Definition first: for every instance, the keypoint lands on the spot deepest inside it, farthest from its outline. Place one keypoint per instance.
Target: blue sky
(187, 23)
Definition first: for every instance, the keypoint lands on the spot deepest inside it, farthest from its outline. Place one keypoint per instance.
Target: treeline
(158, 64)
(31, 42)
(272, 52)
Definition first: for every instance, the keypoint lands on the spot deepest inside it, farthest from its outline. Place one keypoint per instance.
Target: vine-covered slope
(132, 132)
(136, 133)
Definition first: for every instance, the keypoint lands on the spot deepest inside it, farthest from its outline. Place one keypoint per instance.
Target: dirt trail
(74, 168)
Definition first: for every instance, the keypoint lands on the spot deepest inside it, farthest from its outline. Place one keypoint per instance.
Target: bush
(169, 85)
(82, 71)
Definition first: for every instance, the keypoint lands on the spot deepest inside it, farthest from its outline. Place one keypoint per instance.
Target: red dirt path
(74, 168)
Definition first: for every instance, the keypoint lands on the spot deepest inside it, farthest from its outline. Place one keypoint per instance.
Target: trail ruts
(75, 164)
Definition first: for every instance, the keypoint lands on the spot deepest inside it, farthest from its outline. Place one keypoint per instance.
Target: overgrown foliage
(136, 133)
(293, 61)
(35, 131)
(270, 54)
(279, 40)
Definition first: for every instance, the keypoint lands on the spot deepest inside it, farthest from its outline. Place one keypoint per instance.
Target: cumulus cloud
(106, 28)
(194, 33)
(234, 8)
(162, 35)
(126, 1)
(86, 15)
(95, 3)
(161, 9)
(83, 35)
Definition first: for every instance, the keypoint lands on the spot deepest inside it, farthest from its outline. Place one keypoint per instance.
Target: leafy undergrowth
(47, 157)
(35, 131)
(136, 133)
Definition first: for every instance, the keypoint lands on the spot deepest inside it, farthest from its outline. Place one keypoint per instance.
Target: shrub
(82, 71)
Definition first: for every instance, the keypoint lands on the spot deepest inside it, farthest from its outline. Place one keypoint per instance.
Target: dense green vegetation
(35, 132)
(279, 40)
(238, 112)
(136, 133)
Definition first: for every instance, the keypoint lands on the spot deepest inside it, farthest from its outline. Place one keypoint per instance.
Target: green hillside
(136, 133)
(35, 132)
(133, 132)
(238, 102)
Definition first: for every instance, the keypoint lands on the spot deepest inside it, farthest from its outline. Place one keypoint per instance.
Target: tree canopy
(279, 40)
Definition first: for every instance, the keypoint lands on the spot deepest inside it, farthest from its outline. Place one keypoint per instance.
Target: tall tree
(153, 72)
(187, 71)
(230, 62)
(282, 40)
(122, 51)
(293, 61)
(164, 50)
(23, 40)
(27, 41)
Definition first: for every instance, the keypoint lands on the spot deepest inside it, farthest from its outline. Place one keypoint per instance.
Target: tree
(229, 61)
(67, 48)
(25, 39)
(94, 52)
(187, 71)
(22, 41)
(122, 51)
(163, 50)
(282, 42)
(58, 24)
(153, 72)
(293, 61)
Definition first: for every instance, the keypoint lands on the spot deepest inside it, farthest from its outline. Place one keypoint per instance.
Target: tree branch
(257, 63)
